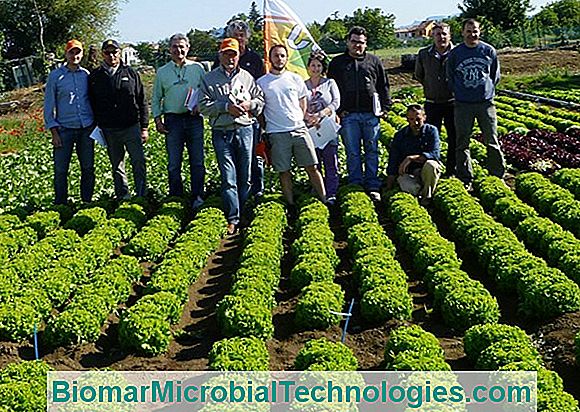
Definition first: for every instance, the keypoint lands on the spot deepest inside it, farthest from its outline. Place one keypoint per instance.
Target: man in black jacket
(118, 101)
(364, 97)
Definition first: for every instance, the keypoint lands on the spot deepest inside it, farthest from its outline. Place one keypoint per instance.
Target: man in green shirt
(174, 106)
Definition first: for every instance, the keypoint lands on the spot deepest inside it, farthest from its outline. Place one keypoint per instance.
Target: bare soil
(512, 63)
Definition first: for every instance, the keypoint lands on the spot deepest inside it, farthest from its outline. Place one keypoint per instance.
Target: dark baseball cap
(110, 43)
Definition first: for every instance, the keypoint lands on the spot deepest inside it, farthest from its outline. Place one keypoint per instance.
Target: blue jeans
(234, 151)
(185, 130)
(357, 128)
(84, 145)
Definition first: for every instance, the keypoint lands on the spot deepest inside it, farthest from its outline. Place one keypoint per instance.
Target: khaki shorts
(298, 143)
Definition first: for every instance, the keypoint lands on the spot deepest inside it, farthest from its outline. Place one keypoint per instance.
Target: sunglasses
(111, 52)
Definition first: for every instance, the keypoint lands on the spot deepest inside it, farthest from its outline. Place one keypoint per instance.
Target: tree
(505, 14)
(562, 14)
(203, 44)
(255, 17)
(380, 27)
(27, 24)
(332, 34)
(147, 54)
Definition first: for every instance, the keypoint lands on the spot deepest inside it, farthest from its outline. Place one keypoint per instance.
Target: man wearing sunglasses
(121, 112)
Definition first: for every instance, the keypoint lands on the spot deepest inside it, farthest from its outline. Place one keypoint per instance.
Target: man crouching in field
(69, 117)
(414, 157)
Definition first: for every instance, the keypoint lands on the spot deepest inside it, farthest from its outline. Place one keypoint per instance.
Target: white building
(129, 56)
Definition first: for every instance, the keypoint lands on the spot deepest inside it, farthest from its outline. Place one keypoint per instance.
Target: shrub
(238, 316)
(239, 354)
(479, 337)
(386, 302)
(324, 355)
(506, 351)
(316, 304)
(311, 267)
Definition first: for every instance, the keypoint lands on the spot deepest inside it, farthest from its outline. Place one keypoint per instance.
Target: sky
(152, 20)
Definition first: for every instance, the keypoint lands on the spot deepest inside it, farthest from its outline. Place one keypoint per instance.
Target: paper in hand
(192, 99)
(325, 133)
(98, 136)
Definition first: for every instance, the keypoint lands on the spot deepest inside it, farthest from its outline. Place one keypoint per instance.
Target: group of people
(247, 107)
(459, 87)
(111, 97)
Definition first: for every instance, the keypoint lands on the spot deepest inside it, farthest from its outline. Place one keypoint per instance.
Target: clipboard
(325, 133)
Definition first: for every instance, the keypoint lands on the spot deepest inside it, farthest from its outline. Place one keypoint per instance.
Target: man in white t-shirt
(285, 94)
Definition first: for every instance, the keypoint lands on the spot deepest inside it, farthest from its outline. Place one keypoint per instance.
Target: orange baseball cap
(230, 44)
(72, 44)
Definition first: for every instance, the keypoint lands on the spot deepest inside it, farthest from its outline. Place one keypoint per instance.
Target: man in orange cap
(69, 117)
(232, 100)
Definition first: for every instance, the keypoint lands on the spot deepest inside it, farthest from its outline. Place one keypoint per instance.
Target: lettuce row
(91, 304)
(324, 355)
(314, 275)
(23, 386)
(543, 292)
(146, 326)
(560, 247)
(569, 179)
(410, 348)
(508, 348)
(44, 276)
(151, 242)
(550, 200)
(239, 354)
(463, 302)
(381, 280)
(247, 310)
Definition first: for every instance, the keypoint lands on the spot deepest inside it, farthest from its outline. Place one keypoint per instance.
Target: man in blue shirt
(473, 72)
(69, 117)
(414, 156)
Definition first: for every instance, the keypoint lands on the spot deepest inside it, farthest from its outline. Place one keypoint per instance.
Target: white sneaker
(197, 203)
(375, 196)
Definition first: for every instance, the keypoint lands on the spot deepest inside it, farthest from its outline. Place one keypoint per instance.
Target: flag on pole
(282, 26)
